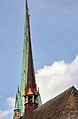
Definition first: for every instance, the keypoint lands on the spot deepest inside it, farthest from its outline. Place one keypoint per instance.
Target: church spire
(28, 83)
(28, 78)
(17, 110)
(31, 94)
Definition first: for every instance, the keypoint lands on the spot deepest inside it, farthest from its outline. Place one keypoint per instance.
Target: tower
(17, 110)
(27, 84)
(31, 94)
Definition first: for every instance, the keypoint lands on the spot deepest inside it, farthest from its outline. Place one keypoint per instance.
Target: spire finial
(26, 5)
(27, 9)
(18, 89)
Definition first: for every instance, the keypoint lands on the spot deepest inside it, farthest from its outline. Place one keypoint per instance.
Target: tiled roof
(63, 106)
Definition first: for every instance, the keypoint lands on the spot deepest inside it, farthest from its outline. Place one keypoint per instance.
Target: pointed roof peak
(73, 88)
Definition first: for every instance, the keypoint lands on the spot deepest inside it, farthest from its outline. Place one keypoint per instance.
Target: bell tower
(31, 102)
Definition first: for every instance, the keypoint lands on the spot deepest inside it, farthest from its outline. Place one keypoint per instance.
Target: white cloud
(54, 79)
(5, 113)
(11, 102)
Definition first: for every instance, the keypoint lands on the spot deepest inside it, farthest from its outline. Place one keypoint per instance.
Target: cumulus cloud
(11, 102)
(5, 113)
(54, 79)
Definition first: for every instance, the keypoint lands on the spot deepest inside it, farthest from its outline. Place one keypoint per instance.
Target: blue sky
(54, 33)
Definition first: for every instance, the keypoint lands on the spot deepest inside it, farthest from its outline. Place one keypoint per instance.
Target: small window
(30, 99)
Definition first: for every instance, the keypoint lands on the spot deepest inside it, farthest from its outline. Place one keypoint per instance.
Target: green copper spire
(28, 75)
(25, 59)
(18, 101)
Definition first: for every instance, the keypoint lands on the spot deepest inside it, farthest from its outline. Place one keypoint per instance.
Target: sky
(54, 35)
